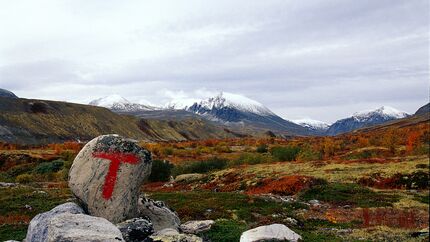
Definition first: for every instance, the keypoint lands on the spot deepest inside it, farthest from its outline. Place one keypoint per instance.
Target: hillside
(27, 121)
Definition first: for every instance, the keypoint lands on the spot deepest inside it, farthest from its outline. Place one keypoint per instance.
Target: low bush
(415, 180)
(252, 159)
(161, 170)
(49, 167)
(24, 178)
(263, 148)
(307, 154)
(287, 153)
(200, 166)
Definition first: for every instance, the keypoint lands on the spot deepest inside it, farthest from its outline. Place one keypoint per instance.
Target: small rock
(160, 215)
(175, 238)
(196, 226)
(8, 184)
(40, 192)
(291, 221)
(82, 227)
(28, 207)
(276, 232)
(189, 177)
(106, 177)
(135, 229)
(38, 227)
(314, 202)
(167, 231)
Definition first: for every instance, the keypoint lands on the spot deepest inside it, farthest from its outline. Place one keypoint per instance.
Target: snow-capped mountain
(225, 100)
(119, 104)
(312, 124)
(365, 119)
(237, 110)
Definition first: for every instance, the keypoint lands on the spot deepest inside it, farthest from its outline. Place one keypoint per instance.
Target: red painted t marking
(116, 159)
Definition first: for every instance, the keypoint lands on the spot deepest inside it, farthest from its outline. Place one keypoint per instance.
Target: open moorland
(371, 185)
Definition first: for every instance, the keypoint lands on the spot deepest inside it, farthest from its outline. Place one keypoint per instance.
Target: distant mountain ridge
(423, 110)
(7, 93)
(365, 119)
(236, 110)
(313, 124)
(118, 103)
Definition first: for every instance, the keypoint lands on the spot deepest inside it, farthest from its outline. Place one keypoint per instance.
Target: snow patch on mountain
(384, 111)
(236, 101)
(312, 123)
(181, 103)
(118, 103)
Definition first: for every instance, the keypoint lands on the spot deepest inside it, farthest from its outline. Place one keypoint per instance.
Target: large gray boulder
(160, 215)
(273, 232)
(106, 176)
(38, 227)
(82, 227)
(135, 229)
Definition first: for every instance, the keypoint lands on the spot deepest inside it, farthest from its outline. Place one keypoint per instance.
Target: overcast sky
(303, 59)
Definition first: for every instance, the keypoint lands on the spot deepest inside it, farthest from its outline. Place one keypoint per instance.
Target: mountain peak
(385, 111)
(236, 101)
(116, 102)
(109, 101)
(312, 124)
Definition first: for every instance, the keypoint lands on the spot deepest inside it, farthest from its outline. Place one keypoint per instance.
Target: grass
(333, 171)
(349, 194)
(12, 205)
(225, 231)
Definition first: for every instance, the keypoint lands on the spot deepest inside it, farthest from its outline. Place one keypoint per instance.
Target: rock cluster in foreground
(105, 178)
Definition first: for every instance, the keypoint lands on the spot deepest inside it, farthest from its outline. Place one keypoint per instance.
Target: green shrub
(24, 178)
(49, 167)
(307, 154)
(263, 148)
(288, 153)
(251, 159)
(161, 170)
(200, 166)
(167, 151)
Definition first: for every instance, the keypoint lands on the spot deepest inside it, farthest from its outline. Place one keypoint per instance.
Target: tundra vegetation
(369, 186)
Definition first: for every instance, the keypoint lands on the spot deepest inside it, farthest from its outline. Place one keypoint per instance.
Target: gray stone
(82, 227)
(277, 232)
(167, 231)
(196, 226)
(38, 227)
(175, 238)
(92, 177)
(160, 215)
(135, 229)
(8, 184)
(189, 177)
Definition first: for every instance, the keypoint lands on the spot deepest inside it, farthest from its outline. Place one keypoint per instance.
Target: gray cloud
(318, 59)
